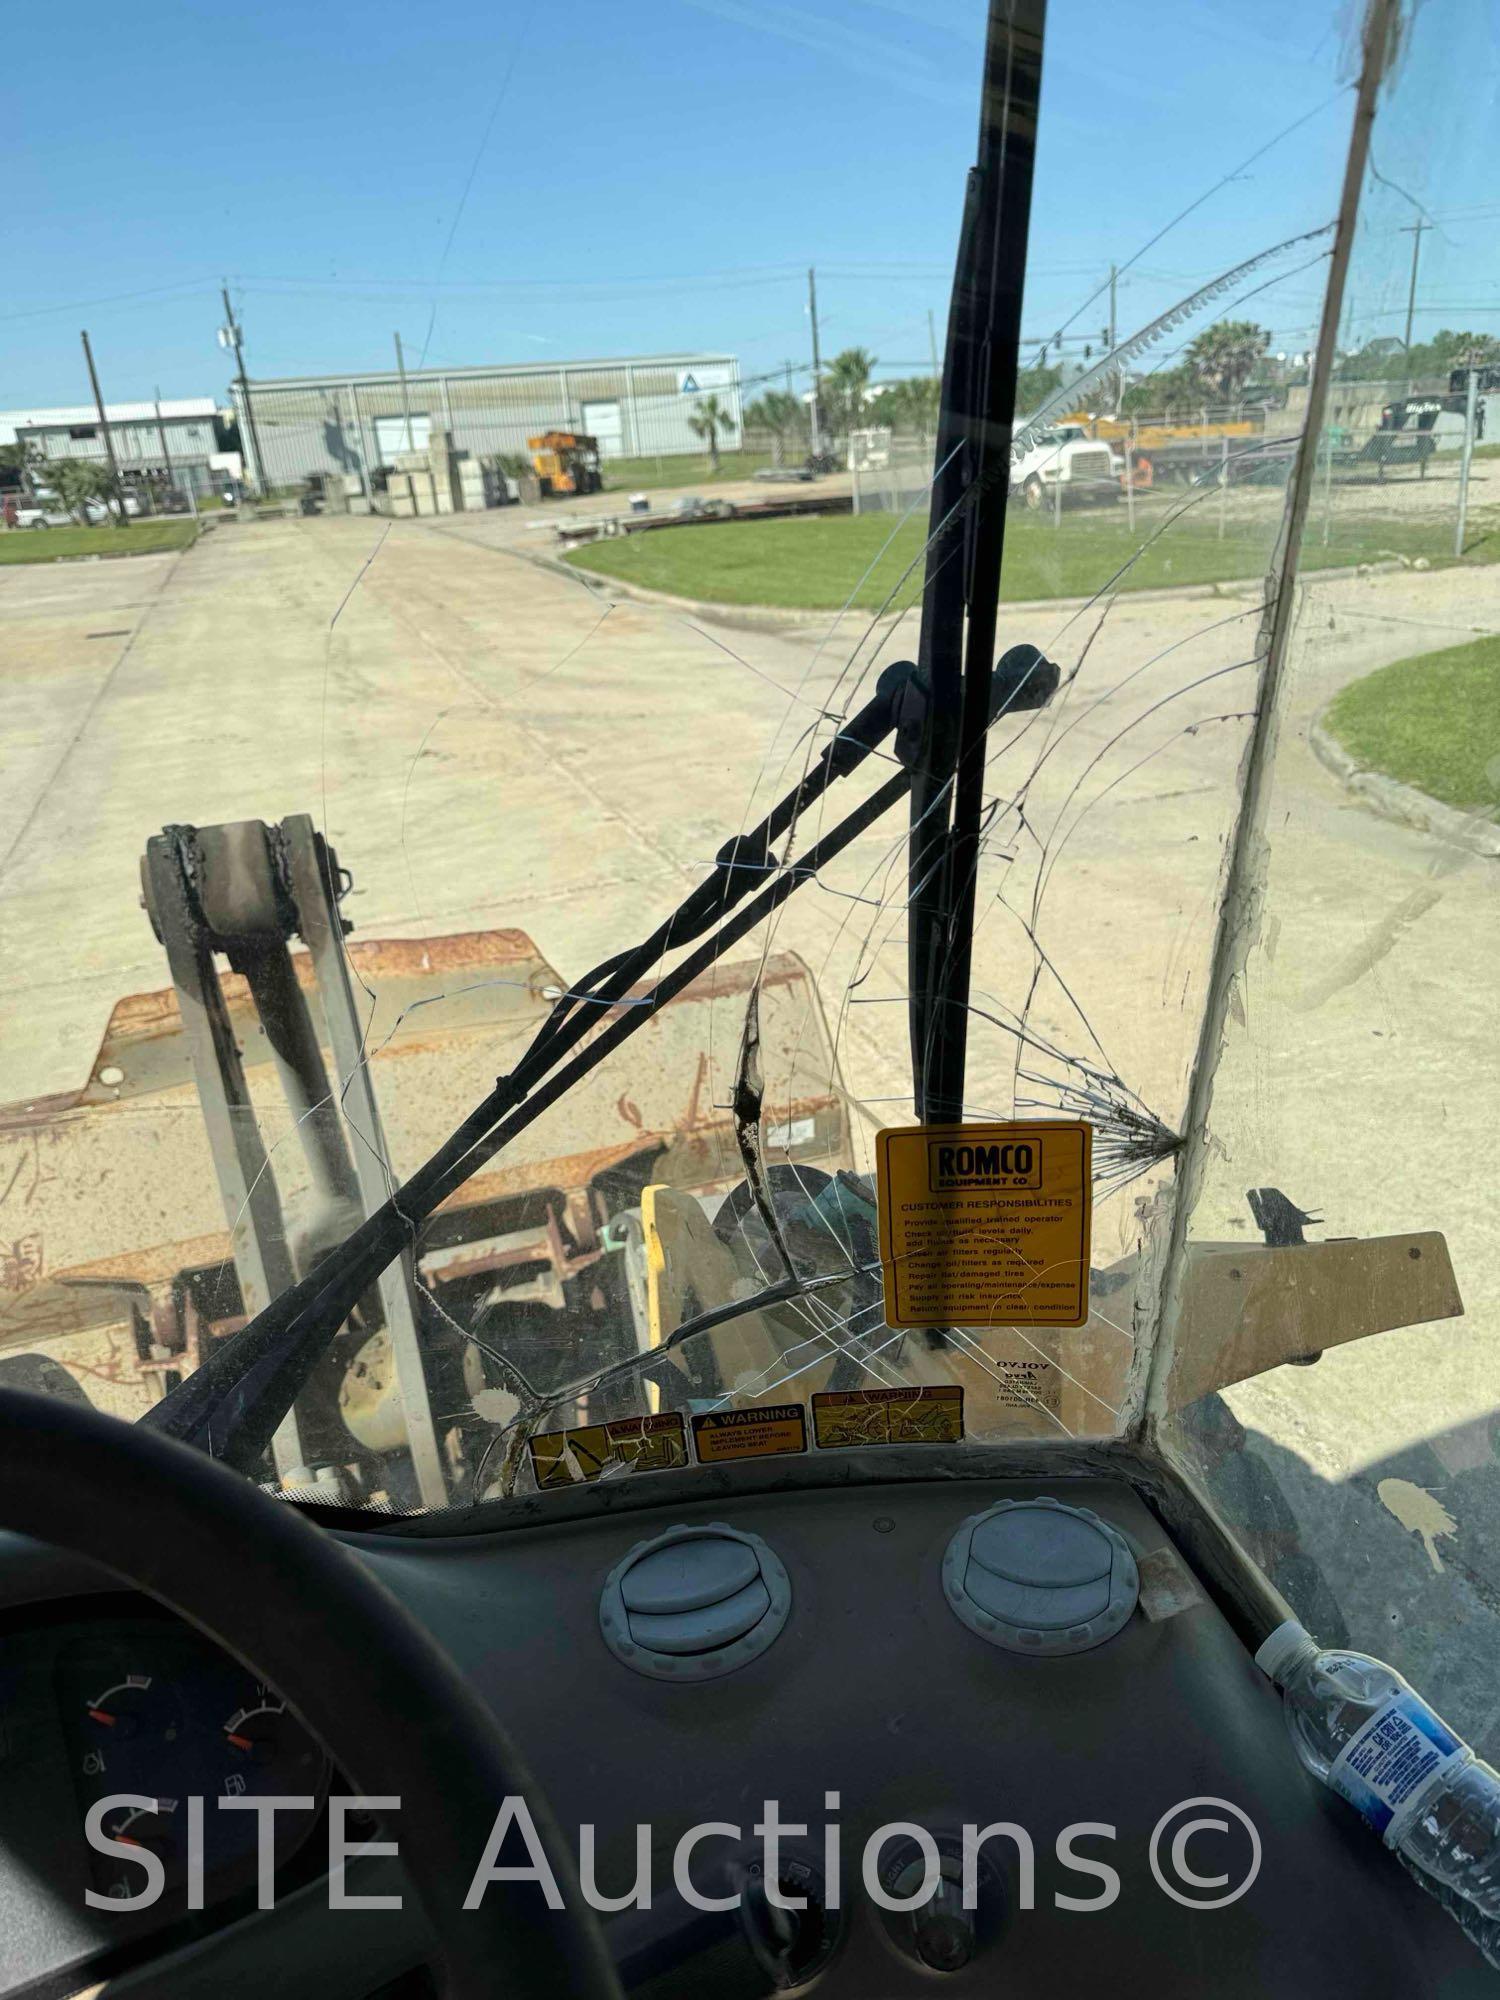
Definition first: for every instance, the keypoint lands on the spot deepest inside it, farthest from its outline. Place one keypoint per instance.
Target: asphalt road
(488, 742)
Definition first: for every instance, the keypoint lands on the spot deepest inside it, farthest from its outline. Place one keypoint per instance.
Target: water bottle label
(1394, 1757)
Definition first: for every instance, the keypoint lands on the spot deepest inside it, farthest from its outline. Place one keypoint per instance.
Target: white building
(637, 407)
(151, 440)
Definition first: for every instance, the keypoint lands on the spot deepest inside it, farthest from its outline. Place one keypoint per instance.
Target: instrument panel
(146, 1708)
(133, 1754)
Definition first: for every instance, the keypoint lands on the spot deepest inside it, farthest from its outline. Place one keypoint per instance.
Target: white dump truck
(1064, 464)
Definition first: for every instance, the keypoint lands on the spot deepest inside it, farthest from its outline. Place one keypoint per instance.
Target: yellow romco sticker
(720, 1435)
(640, 1444)
(845, 1417)
(985, 1225)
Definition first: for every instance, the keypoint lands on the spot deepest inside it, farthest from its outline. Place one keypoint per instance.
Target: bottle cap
(1287, 1645)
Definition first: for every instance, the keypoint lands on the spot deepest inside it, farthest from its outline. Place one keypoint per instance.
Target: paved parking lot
(488, 742)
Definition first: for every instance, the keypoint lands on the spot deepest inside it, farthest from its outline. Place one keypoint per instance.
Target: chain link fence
(1403, 475)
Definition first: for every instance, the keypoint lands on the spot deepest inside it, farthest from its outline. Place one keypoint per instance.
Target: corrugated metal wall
(637, 408)
(136, 444)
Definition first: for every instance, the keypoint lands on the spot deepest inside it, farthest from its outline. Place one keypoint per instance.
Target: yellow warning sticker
(843, 1417)
(985, 1225)
(636, 1444)
(724, 1434)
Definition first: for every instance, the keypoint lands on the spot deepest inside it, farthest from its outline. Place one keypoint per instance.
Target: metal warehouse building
(148, 438)
(637, 407)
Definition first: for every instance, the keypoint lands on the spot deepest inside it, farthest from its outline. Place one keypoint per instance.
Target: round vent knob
(694, 1603)
(1036, 1576)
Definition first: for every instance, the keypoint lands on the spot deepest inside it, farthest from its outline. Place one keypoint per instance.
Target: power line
(742, 274)
(479, 153)
(111, 298)
(1207, 195)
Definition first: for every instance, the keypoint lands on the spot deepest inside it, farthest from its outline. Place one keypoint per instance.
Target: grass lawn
(136, 538)
(629, 475)
(1432, 721)
(815, 562)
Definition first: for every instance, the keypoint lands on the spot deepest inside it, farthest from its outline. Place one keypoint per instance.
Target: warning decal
(985, 1225)
(631, 1444)
(724, 1434)
(843, 1417)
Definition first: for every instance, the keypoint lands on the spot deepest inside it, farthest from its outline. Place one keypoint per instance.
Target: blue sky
(657, 177)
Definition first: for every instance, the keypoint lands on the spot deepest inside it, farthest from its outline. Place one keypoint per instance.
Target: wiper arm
(232, 1404)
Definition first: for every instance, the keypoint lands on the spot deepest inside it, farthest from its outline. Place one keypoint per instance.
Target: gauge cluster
(138, 1704)
(148, 1708)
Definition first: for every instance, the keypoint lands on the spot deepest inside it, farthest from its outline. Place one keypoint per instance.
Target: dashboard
(876, 1690)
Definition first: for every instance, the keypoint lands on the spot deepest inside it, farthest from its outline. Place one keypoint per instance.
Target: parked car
(42, 513)
(97, 511)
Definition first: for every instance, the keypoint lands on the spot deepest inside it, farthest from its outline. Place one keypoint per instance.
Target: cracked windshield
(488, 851)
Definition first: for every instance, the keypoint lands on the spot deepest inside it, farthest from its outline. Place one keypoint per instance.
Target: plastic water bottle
(1371, 1738)
(1483, 1932)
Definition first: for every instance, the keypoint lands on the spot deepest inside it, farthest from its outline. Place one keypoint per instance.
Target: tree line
(1216, 367)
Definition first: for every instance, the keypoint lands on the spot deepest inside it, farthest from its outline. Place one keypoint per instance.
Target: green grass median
(136, 538)
(1432, 721)
(817, 563)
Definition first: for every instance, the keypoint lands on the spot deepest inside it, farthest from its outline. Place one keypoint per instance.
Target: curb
(1404, 804)
(782, 616)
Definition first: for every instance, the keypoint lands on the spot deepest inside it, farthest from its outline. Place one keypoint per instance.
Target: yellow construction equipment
(566, 462)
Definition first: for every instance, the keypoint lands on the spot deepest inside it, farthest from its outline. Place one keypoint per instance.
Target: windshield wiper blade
(961, 589)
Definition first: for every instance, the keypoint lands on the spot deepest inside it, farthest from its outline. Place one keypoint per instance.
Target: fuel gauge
(268, 1748)
(136, 1705)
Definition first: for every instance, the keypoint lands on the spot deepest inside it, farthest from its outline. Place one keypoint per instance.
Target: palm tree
(846, 388)
(1223, 356)
(779, 412)
(79, 482)
(911, 405)
(708, 419)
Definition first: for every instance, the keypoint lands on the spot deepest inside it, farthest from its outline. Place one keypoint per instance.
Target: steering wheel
(291, 1604)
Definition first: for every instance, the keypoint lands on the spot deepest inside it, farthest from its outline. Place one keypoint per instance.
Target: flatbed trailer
(705, 513)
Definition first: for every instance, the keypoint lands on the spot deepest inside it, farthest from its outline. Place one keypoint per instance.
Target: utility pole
(817, 360)
(109, 443)
(232, 328)
(1114, 334)
(405, 398)
(161, 436)
(932, 344)
(1414, 231)
(1470, 408)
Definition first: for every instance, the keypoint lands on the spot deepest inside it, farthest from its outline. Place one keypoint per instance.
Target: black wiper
(967, 537)
(233, 1403)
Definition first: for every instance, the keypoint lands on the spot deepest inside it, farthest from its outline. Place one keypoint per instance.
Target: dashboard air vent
(694, 1603)
(1036, 1576)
